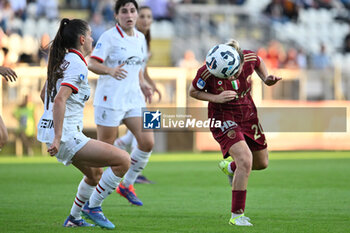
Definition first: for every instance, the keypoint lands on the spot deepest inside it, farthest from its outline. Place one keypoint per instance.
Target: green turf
(191, 195)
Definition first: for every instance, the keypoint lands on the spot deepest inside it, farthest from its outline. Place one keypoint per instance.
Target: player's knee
(246, 165)
(124, 162)
(146, 144)
(94, 177)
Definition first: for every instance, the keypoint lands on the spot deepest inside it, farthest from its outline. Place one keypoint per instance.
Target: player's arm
(99, 68)
(59, 108)
(145, 88)
(223, 97)
(261, 70)
(152, 83)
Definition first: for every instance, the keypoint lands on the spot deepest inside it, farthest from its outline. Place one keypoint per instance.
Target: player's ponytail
(67, 37)
(234, 43)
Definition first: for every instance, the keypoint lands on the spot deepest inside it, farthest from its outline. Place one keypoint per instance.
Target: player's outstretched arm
(269, 80)
(8, 73)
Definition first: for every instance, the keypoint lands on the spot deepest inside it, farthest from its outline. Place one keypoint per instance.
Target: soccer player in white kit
(118, 57)
(143, 24)
(64, 95)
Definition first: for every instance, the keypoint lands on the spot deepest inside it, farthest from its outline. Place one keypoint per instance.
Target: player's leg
(260, 159)
(139, 159)
(98, 154)
(3, 133)
(242, 156)
(107, 134)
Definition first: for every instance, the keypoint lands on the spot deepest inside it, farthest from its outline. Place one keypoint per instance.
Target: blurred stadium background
(307, 42)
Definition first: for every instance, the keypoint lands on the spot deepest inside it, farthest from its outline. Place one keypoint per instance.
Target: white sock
(83, 194)
(127, 138)
(139, 160)
(107, 184)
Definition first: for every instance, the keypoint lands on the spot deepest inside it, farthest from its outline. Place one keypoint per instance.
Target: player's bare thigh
(145, 139)
(99, 154)
(260, 159)
(241, 154)
(107, 134)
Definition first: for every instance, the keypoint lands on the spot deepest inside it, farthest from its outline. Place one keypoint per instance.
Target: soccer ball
(223, 61)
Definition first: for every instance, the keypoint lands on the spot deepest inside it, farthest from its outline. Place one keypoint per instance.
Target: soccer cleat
(129, 193)
(143, 180)
(223, 165)
(72, 222)
(96, 215)
(240, 220)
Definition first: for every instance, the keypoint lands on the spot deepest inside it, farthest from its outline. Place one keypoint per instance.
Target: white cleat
(240, 220)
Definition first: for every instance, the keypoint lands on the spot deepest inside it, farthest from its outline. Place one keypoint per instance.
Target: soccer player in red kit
(240, 135)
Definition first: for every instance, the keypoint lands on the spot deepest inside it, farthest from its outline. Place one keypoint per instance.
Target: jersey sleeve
(73, 76)
(100, 51)
(201, 79)
(251, 56)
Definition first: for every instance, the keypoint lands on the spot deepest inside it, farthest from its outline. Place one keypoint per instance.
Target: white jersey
(114, 48)
(74, 76)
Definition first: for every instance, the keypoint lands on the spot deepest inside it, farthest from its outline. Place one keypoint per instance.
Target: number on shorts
(257, 127)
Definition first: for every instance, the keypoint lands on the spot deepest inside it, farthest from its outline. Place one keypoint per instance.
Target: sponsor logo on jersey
(151, 119)
(228, 125)
(132, 61)
(220, 82)
(200, 83)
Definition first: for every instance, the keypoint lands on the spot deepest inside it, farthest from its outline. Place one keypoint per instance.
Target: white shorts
(69, 148)
(113, 118)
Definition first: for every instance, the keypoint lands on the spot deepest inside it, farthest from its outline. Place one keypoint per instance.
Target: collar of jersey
(121, 31)
(78, 53)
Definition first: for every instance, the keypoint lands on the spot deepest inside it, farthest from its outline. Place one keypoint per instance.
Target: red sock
(233, 166)
(238, 200)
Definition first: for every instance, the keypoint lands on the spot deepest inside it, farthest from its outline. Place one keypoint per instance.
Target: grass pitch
(299, 192)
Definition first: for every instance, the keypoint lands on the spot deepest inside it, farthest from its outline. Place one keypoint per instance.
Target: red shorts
(231, 133)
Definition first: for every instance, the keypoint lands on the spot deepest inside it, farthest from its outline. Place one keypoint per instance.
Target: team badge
(65, 64)
(231, 134)
(200, 83)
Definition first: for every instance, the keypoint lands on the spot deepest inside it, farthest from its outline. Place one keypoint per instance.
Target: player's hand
(8, 74)
(271, 80)
(118, 72)
(225, 96)
(55, 146)
(155, 90)
(147, 92)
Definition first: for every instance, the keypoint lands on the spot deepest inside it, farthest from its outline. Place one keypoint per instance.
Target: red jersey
(239, 116)
(242, 108)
